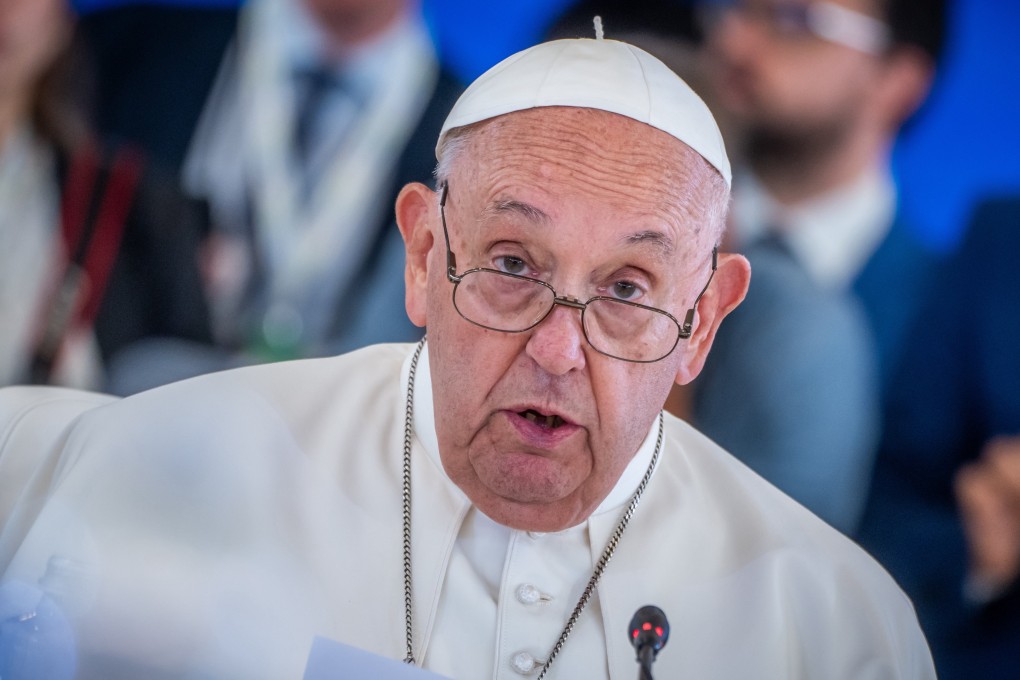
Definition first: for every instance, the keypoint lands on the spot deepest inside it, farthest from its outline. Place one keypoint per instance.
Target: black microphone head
(649, 628)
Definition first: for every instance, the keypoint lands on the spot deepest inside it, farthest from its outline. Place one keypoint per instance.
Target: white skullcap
(594, 74)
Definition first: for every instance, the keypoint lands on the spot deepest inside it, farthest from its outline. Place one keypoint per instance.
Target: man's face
(353, 21)
(779, 81)
(583, 200)
(32, 34)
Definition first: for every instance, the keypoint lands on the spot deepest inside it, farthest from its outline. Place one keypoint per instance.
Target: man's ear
(727, 290)
(906, 80)
(415, 212)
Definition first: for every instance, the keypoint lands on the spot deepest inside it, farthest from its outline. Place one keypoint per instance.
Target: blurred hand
(988, 493)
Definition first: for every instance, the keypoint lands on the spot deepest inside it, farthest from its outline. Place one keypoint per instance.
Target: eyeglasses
(798, 19)
(510, 303)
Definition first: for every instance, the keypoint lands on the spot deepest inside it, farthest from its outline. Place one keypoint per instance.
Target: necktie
(775, 241)
(313, 87)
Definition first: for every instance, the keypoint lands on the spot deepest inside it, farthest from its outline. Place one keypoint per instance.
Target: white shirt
(832, 235)
(214, 527)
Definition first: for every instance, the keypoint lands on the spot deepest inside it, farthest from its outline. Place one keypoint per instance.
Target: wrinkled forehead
(590, 154)
(580, 130)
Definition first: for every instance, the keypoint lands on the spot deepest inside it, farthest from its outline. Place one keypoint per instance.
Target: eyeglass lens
(504, 302)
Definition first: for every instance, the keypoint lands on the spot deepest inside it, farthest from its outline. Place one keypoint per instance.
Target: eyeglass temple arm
(451, 260)
(688, 327)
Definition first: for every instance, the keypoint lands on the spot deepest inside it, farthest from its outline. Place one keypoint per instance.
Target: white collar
(832, 235)
(425, 431)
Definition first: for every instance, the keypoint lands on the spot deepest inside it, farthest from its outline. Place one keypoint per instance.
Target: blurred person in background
(818, 91)
(298, 121)
(815, 348)
(814, 93)
(95, 253)
(944, 511)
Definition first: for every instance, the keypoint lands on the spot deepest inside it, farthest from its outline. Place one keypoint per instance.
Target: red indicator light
(658, 631)
(635, 633)
(646, 626)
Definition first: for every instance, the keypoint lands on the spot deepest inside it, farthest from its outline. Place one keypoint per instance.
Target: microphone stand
(645, 658)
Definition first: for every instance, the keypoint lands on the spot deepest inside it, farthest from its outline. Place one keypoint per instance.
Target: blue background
(964, 146)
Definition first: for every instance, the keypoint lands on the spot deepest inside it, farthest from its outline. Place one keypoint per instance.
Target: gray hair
(707, 190)
(456, 140)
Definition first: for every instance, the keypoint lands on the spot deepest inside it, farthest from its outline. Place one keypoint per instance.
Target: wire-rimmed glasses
(511, 303)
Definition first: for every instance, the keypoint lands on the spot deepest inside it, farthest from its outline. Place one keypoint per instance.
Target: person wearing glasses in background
(495, 501)
(814, 93)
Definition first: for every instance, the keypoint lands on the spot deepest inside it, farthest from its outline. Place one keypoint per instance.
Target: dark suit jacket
(155, 288)
(156, 66)
(889, 286)
(958, 386)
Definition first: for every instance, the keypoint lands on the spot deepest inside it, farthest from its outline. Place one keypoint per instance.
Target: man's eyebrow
(526, 210)
(662, 241)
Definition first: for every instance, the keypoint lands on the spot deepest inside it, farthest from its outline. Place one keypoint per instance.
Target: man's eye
(625, 290)
(510, 264)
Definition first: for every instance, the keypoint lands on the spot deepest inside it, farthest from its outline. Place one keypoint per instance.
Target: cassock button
(529, 594)
(524, 663)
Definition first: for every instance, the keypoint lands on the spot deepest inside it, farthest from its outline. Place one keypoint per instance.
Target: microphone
(648, 632)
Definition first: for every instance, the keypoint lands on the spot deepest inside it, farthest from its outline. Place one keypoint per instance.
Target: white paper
(332, 660)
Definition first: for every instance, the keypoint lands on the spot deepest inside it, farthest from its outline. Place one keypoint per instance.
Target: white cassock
(212, 528)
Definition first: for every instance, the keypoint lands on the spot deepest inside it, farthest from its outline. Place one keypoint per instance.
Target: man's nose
(557, 344)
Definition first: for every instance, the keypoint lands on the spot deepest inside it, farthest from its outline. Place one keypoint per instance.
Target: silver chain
(600, 566)
(408, 430)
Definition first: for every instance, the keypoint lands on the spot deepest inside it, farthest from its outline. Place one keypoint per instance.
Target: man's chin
(524, 507)
(533, 517)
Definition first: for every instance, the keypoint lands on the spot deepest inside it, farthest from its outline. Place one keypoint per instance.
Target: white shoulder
(831, 596)
(34, 423)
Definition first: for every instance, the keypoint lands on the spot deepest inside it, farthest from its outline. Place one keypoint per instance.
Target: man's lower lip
(539, 435)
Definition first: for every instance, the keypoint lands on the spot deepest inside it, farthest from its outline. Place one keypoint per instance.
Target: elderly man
(495, 503)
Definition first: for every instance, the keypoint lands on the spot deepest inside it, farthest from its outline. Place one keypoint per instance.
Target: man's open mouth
(551, 422)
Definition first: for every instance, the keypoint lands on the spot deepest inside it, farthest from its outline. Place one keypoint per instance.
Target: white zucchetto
(607, 75)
